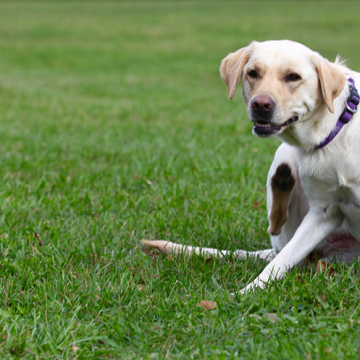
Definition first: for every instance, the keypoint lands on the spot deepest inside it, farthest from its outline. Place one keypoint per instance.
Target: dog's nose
(262, 104)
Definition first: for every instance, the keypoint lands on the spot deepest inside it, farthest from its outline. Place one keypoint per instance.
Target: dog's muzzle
(262, 112)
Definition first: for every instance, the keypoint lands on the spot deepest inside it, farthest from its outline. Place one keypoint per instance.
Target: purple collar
(350, 109)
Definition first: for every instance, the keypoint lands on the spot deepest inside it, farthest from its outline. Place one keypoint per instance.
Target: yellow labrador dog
(313, 185)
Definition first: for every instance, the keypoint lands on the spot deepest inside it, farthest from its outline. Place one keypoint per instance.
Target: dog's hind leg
(169, 247)
(286, 200)
(282, 185)
(266, 255)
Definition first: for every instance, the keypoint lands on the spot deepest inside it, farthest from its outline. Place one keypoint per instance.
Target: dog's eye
(253, 74)
(293, 77)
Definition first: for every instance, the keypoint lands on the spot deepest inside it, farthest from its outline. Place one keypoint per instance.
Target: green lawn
(115, 126)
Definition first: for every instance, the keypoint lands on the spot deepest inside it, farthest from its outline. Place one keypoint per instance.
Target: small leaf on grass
(74, 348)
(322, 266)
(149, 182)
(207, 305)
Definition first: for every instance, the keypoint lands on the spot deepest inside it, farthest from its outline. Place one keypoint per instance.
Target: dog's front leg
(317, 225)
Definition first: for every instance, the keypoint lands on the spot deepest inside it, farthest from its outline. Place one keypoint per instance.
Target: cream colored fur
(325, 201)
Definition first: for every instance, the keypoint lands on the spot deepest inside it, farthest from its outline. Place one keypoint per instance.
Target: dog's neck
(312, 130)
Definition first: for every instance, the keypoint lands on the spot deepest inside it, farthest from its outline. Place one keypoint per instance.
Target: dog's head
(283, 83)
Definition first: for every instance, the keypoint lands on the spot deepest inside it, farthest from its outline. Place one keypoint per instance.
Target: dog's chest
(334, 179)
(332, 172)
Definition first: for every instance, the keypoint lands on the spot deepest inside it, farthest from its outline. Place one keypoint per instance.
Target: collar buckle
(353, 111)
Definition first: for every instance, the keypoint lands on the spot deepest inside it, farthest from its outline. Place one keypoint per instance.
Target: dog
(313, 185)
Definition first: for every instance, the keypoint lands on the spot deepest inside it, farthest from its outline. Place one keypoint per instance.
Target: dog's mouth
(268, 129)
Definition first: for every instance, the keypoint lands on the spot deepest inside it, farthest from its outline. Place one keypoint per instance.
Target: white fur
(330, 177)
(326, 198)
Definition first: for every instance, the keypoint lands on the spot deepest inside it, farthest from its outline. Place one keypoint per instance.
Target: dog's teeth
(263, 125)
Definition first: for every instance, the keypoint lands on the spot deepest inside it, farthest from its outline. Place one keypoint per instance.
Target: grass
(115, 126)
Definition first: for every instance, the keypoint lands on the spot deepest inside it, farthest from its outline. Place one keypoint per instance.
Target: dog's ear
(332, 80)
(231, 68)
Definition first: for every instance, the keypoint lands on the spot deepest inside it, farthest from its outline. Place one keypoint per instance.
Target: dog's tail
(169, 247)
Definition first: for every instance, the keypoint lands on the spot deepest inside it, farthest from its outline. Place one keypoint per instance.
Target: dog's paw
(256, 284)
(162, 245)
